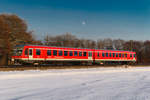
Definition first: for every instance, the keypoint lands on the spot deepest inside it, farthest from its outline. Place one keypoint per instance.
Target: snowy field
(77, 84)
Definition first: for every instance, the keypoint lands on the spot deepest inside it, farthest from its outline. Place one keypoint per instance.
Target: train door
(90, 55)
(93, 56)
(30, 53)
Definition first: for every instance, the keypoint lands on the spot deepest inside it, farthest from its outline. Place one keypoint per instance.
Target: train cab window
(48, 52)
(70, 53)
(116, 54)
(18, 52)
(134, 55)
(103, 54)
(26, 51)
(38, 52)
(65, 53)
(54, 52)
(119, 54)
(90, 54)
(109, 54)
(75, 53)
(60, 53)
(84, 53)
(106, 54)
(113, 54)
(80, 53)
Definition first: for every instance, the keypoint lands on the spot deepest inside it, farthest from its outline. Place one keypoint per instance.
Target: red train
(45, 54)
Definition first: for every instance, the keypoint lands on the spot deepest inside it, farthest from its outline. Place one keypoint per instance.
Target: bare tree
(13, 31)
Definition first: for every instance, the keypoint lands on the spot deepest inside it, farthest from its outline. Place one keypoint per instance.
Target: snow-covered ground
(77, 84)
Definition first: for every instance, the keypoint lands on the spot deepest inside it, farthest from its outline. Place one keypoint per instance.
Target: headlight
(12, 59)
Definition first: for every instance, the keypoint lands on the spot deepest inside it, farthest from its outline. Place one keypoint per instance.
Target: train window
(134, 55)
(122, 55)
(70, 53)
(126, 55)
(98, 54)
(113, 54)
(109, 54)
(54, 52)
(131, 55)
(116, 54)
(65, 53)
(38, 52)
(119, 54)
(90, 54)
(103, 54)
(60, 53)
(26, 51)
(75, 53)
(80, 53)
(49, 52)
(106, 54)
(84, 53)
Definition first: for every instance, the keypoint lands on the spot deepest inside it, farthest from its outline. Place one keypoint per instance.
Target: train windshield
(17, 52)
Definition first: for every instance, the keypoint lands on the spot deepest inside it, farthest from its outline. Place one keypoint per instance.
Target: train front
(17, 54)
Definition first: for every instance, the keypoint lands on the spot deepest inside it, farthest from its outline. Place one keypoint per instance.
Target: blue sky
(92, 19)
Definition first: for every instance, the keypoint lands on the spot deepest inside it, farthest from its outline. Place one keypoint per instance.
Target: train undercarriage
(63, 63)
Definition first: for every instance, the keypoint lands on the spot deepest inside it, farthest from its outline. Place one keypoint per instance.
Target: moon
(83, 23)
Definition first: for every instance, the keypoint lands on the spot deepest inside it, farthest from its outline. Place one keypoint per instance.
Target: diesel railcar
(34, 54)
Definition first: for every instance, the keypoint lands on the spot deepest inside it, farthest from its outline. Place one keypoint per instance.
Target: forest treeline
(14, 31)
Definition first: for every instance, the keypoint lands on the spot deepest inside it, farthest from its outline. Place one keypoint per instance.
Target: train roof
(71, 47)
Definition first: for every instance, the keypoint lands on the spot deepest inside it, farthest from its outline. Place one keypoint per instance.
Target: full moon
(83, 23)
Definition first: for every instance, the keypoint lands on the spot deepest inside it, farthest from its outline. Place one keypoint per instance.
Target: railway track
(40, 67)
(46, 67)
(14, 66)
